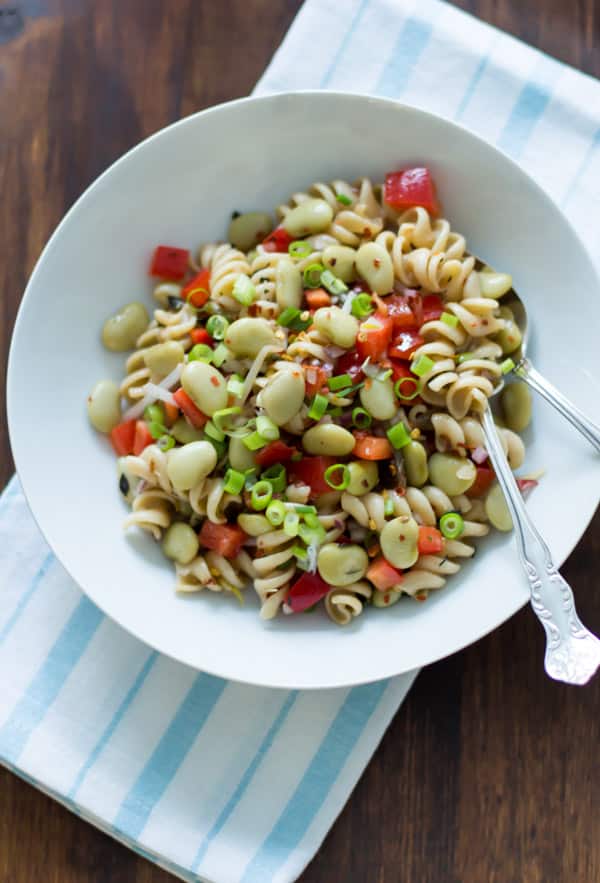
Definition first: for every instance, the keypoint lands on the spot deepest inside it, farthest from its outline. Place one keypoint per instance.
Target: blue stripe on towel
(412, 40)
(26, 597)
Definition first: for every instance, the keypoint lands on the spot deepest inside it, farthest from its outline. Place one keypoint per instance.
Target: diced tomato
(311, 471)
(315, 379)
(401, 371)
(433, 307)
(197, 290)
(410, 187)
(193, 414)
(383, 575)
(278, 240)
(171, 413)
(169, 262)
(401, 313)
(224, 539)
(316, 298)
(374, 335)
(122, 437)
(274, 452)
(350, 363)
(485, 476)
(142, 437)
(201, 335)
(371, 447)
(405, 344)
(306, 591)
(526, 484)
(430, 540)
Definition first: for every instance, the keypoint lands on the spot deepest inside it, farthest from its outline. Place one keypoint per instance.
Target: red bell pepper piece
(315, 379)
(410, 187)
(350, 363)
(197, 290)
(274, 452)
(484, 478)
(526, 484)
(224, 539)
(306, 591)
(201, 335)
(278, 240)
(169, 262)
(433, 307)
(401, 371)
(430, 540)
(400, 311)
(374, 335)
(193, 413)
(405, 344)
(122, 438)
(383, 575)
(311, 471)
(371, 447)
(142, 437)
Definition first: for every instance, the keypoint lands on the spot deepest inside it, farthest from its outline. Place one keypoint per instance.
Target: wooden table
(489, 773)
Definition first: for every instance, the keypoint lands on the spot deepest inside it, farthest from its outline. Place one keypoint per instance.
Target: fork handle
(577, 418)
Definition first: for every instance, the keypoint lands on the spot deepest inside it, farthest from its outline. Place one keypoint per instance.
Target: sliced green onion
(345, 200)
(311, 519)
(154, 414)
(254, 441)
(406, 396)
(235, 385)
(221, 418)
(304, 510)
(276, 513)
(157, 430)
(291, 523)
(449, 319)
(277, 477)
(266, 427)
(220, 354)
(464, 357)
(217, 326)
(399, 436)
(201, 352)
(311, 536)
(342, 481)
(361, 418)
(243, 290)
(339, 382)
(312, 275)
(214, 431)
(507, 366)
(422, 366)
(299, 552)
(294, 319)
(452, 525)
(388, 507)
(166, 442)
(332, 283)
(219, 446)
(335, 412)
(362, 306)
(300, 248)
(261, 494)
(234, 481)
(250, 478)
(318, 407)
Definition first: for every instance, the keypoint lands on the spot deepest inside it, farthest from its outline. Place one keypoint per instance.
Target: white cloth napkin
(213, 780)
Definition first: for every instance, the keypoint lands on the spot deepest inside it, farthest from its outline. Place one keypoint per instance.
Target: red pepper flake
(214, 381)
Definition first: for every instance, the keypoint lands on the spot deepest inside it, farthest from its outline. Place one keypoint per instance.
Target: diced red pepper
(430, 540)
(122, 438)
(274, 452)
(142, 437)
(401, 371)
(433, 307)
(526, 484)
(169, 262)
(311, 471)
(410, 187)
(374, 335)
(224, 539)
(405, 344)
(350, 363)
(197, 290)
(315, 379)
(306, 591)
(191, 411)
(317, 298)
(484, 478)
(371, 447)
(278, 240)
(400, 311)
(171, 413)
(383, 575)
(201, 335)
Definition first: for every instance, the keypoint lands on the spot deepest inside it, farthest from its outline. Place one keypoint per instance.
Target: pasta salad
(300, 414)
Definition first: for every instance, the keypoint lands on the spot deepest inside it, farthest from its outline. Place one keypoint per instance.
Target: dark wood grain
(489, 773)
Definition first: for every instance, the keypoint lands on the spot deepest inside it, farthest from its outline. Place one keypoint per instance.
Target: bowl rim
(191, 120)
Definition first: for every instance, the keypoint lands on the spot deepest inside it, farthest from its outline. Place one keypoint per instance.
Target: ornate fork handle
(577, 418)
(572, 652)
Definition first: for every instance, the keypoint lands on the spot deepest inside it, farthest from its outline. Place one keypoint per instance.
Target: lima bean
(248, 229)
(184, 433)
(398, 541)
(339, 327)
(121, 331)
(180, 543)
(310, 216)
(288, 284)
(516, 405)
(205, 385)
(283, 395)
(104, 406)
(328, 439)
(415, 463)
(374, 265)
(497, 510)
(162, 358)
(247, 336)
(341, 565)
(453, 475)
(510, 337)
(378, 397)
(340, 259)
(187, 466)
(240, 457)
(494, 285)
(364, 475)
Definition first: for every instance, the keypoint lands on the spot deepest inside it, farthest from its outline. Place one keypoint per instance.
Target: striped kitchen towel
(213, 780)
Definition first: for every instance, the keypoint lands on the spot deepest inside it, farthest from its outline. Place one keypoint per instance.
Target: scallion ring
(217, 326)
(277, 477)
(452, 525)
(260, 495)
(299, 249)
(312, 275)
(361, 418)
(400, 385)
(362, 306)
(339, 483)
(276, 513)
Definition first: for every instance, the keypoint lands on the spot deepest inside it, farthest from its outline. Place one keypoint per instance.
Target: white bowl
(180, 187)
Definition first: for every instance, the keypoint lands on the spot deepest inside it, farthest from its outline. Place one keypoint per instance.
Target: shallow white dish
(179, 187)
